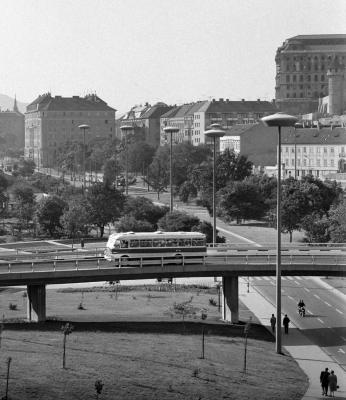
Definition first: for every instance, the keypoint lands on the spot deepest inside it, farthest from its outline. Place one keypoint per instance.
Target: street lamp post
(83, 127)
(214, 132)
(171, 130)
(125, 129)
(279, 120)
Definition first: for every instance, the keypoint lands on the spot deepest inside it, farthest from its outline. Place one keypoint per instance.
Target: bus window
(158, 243)
(124, 244)
(187, 242)
(181, 242)
(169, 243)
(198, 242)
(146, 243)
(134, 243)
(116, 244)
(175, 242)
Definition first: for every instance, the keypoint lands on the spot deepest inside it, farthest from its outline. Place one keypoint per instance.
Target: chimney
(258, 100)
(213, 100)
(221, 99)
(242, 100)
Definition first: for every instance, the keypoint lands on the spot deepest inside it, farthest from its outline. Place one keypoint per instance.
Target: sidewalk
(310, 358)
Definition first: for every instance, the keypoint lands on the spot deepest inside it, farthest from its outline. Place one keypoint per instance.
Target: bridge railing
(52, 265)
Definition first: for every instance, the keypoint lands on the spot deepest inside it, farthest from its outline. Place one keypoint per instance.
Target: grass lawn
(141, 349)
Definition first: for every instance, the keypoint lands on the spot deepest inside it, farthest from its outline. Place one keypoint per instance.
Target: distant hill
(6, 103)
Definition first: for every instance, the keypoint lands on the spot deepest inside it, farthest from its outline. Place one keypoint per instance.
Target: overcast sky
(133, 51)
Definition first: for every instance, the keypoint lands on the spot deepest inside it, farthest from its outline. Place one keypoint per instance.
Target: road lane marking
(299, 278)
(309, 312)
(307, 290)
(318, 319)
(343, 338)
(297, 283)
(317, 296)
(266, 278)
(341, 351)
(326, 302)
(290, 278)
(238, 236)
(337, 310)
(291, 298)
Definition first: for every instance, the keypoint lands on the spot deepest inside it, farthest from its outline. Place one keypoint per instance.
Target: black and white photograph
(173, 200)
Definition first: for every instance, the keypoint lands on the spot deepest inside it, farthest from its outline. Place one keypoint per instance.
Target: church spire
(15, 107)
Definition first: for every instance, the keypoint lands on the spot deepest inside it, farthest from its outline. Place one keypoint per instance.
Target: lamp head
(171, 129)
(279, 119)
(126, 127)
(83, 126)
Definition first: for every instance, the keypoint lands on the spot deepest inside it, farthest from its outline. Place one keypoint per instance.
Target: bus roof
(154, 235)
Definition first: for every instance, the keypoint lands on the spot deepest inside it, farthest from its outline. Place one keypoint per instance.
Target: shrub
(12, 306)
(212, 302)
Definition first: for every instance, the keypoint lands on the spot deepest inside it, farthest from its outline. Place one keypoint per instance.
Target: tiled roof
(156, 111)
(314, 136)
(319, 37)
(58, 103)
(238, 129)
(241, 106)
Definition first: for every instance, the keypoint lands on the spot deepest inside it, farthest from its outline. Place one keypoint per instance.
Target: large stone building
(145, 120)
(12, 128)
(308, 67)
(195, 118)
(51, 122)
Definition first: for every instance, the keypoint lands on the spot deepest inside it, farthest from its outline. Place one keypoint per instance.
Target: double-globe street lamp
(215, 131)
(171, 130)
(279, 120)
(83, 127)
(125, 129)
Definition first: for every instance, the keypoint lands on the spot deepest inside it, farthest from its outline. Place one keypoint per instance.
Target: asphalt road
(325, 320)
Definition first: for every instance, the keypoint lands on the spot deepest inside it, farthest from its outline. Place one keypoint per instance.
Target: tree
(241, 200)
(177, 221)
(25, 204)
(158, 175)
(105, 205)
(128, 223)
(337, 221)
(144, 209)
(75, 217)
(27, 167)
(49, 213)
(207, 228)
(316, 228)
(140, 155)
(111, 170)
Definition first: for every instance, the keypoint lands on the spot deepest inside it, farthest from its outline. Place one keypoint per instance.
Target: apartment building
(302, 64)
(51, 122)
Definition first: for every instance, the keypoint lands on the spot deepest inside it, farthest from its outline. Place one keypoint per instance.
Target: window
(332, 163)
(318, 162)
(106, 121)
(286, 149)
(298, 162)
(332, 150)
(292, 161)
(325, 150)
(304, 162)
(325, 163)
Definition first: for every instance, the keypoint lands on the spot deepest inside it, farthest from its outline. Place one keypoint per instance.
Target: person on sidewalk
(324, 381)
(285, 323)
(273, 323)
(332, 382)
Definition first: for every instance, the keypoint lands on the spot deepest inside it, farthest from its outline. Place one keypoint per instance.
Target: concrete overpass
(37, 274)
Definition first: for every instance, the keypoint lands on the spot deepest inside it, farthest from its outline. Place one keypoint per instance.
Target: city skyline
(132, 52)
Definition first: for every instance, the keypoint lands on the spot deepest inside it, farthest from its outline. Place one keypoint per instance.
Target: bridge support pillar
(36, 304)
(230, 299)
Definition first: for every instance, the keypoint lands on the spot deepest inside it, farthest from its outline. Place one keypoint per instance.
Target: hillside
(6, 103)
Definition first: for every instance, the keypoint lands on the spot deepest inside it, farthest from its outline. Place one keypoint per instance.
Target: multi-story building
(183, 117)
(317, 150)
(302, 64)
(145, 121)
(12, 128)
(194, 119)
(51, 122)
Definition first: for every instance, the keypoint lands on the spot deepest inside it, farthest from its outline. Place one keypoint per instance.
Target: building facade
(302, 65)
(51, 122)
(145, 121)
(195, 118)
(12, 128)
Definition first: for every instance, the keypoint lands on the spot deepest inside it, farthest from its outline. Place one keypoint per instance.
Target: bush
(212, 302)
(12, 306)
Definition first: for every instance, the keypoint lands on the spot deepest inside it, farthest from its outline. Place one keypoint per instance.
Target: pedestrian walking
(285, 323)
(332, 382)
(273, 322)
(324, 381)
(82, 243)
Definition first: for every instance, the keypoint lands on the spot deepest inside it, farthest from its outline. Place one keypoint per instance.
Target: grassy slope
(139, 365)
